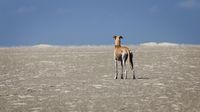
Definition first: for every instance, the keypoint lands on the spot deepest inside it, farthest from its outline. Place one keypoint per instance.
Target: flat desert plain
(81, 79)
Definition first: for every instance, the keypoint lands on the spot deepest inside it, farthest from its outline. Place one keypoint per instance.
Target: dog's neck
(117, 45)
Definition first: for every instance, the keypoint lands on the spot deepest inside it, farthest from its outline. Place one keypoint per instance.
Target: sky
(94, 22)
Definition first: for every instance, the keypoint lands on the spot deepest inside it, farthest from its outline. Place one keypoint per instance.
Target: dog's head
(117, 37)
(117, 40)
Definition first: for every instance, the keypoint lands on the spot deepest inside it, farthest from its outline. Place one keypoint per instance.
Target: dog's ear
(121, 37)
(114, 37)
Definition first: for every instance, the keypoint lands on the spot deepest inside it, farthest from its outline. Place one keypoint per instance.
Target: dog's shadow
(143, 78)
(139, 78)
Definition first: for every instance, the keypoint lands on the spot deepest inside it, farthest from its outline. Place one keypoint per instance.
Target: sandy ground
(64, 79)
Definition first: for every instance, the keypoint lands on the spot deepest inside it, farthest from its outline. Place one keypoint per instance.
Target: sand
(81, 79)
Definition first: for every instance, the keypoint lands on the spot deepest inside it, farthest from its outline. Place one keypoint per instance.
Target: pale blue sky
(75, 22)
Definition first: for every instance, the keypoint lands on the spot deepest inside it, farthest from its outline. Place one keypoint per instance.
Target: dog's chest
(118, 54)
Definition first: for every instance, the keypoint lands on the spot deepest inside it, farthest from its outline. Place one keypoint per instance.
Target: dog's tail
(130, 56)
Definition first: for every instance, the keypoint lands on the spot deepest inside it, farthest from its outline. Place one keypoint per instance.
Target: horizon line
(85, 45)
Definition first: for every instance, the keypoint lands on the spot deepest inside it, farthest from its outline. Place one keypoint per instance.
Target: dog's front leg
(116, 69)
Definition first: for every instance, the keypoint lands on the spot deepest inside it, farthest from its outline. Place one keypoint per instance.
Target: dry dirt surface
(81, 79)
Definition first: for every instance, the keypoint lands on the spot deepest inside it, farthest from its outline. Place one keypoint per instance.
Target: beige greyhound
(121, 54)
